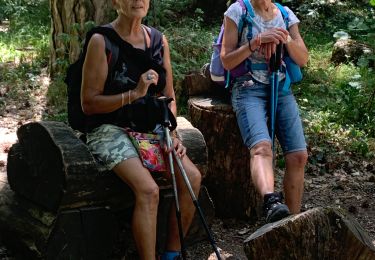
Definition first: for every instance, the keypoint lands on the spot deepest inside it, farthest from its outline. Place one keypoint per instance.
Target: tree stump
(348, 50)
(320, 233)
(228, 176)
(62, 204)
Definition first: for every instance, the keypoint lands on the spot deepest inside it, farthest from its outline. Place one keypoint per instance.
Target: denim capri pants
(251, 103)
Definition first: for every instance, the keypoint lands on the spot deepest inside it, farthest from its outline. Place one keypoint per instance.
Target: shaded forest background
(40, 38)
(337, 100)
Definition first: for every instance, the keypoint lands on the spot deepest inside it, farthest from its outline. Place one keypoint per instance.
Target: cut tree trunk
(68, 26)
(65, 205)
(228, 176)
(320, 233)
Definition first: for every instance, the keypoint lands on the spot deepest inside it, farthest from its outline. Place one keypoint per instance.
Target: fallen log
(320, 233)
(63, 204)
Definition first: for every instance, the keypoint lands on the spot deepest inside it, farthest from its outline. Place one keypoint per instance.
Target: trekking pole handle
(164, 106)
(279, 49)
(275, 60)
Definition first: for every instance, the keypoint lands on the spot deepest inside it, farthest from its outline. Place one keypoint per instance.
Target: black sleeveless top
(131, 64)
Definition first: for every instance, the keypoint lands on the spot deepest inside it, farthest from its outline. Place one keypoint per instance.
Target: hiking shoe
(273, 207)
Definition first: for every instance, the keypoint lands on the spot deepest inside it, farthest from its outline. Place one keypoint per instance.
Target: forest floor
(339, 179)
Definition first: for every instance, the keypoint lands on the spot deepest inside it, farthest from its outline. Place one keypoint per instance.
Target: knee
(262, 149)
(298, 159)
(195, 178)
(148, 195)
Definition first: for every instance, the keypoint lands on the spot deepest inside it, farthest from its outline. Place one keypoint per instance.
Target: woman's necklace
(265, 12)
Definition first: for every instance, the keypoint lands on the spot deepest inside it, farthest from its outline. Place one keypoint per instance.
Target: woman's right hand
(274, 35)
(146, 79)
(270, 39)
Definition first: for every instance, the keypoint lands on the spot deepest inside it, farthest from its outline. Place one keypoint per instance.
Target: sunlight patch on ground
(4, 27)
(7, 138)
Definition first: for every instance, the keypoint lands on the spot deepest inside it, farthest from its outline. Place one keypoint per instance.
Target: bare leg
(146, 193)
(187, 207)
(293, 180)
(261, 168)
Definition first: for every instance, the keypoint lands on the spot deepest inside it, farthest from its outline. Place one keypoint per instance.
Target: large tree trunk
(68, 27)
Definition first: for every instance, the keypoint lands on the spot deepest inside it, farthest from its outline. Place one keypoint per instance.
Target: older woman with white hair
(106, 137)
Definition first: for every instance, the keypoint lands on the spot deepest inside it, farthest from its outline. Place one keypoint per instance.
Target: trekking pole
(166, 124)
(275, 64)
(188, 185)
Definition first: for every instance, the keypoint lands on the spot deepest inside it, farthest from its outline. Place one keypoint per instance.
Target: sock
(170, 255)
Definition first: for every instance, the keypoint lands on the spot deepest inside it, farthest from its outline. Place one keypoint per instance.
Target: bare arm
(230, 55)
(296, 47)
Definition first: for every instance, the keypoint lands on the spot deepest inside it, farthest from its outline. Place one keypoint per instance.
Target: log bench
(228, 173)
(61, 204)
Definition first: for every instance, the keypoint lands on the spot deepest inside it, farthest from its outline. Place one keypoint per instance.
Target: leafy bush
(28, 30)
(338, 102)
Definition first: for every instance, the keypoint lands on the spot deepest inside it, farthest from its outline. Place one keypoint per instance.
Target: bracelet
(122, 99)
(130, 91)
(258, 42)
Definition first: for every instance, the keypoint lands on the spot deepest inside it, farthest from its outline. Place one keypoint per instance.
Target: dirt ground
(339, 179)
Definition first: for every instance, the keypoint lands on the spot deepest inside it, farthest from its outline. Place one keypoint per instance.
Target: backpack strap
(112, 51)
(156, 45)
(247, 18)
(112, 43)
(284, 13)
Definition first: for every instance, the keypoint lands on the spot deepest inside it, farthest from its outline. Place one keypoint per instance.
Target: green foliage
(27, 36)
(190, 43)
(56, 97)
(337, 103)
(25, 14)
(168, 11)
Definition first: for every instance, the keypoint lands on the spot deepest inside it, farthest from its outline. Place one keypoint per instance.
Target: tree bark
(65, 205)
(320, 233)
(228, 159)
(228, 176)
(68, 18)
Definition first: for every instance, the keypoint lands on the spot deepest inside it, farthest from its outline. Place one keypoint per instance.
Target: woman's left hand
(179, 148)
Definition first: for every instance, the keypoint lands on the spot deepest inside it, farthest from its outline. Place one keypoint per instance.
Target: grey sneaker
(273, 207)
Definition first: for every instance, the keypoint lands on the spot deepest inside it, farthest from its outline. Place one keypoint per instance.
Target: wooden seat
(60, 203)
